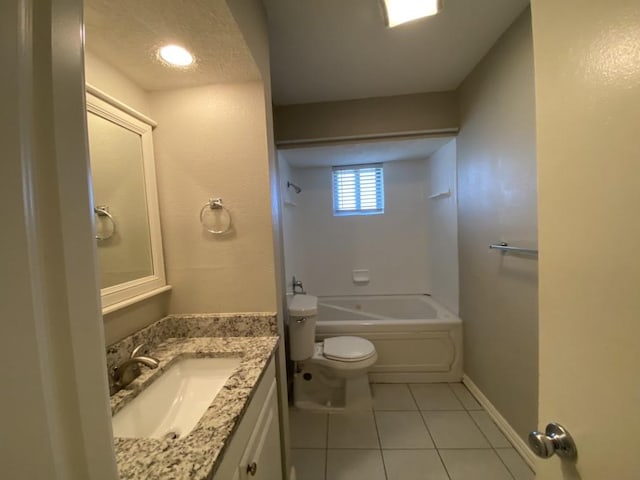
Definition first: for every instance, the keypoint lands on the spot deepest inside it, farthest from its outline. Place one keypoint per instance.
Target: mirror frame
(124, 294)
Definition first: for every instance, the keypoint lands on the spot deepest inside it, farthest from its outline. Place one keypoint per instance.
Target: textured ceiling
(127, 34)
(363, 152)
(324, 50)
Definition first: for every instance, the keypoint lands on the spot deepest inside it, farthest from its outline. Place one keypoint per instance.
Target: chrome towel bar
(504, 247)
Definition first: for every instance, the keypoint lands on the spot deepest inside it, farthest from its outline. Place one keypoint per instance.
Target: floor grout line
(424, 422)
(438, 450)
(460, 399)
(505, 465)
(487, 437)
(384, 465)
(326, 450)
(511, 447)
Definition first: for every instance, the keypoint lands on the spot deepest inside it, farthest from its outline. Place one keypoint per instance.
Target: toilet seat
(348, 349)
(352, 362)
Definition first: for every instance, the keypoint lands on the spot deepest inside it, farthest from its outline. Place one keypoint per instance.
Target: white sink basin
(173, 404)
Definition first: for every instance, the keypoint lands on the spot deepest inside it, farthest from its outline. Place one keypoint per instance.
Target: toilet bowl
(330, 375)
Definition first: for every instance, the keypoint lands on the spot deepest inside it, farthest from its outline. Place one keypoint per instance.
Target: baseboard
(515, 439)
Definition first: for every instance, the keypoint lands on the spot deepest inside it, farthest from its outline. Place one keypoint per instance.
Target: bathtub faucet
(297, 284)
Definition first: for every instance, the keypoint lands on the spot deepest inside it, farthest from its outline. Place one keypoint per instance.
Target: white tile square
(391, 396)
(308, 430)
(474, 465)
(353, 430)
(414, 465)
(310, 463)
(468, 401)
(454, 430)
(490, 430)
(516, 465)
(435, 396)
(347, 464)
(402, 430)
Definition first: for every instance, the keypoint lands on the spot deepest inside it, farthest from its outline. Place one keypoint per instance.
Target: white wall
(442, 214)
(497, 202)
(291, 234)
(392, 246)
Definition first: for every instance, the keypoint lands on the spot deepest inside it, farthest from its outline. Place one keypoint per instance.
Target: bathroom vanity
(254, 450)
(237, 436)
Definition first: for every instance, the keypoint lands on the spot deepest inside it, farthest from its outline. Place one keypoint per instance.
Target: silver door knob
(555, 439)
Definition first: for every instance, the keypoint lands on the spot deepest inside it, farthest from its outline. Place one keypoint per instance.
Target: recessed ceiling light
(402, 11)
(175, 55)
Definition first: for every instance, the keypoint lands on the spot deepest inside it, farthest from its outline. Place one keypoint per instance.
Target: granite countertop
(197, 455)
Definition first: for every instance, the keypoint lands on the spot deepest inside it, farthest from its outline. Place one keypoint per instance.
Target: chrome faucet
(297, 284)
(129, 370)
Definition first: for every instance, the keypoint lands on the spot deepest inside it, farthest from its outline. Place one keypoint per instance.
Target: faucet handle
(297, 284)
(137, 350)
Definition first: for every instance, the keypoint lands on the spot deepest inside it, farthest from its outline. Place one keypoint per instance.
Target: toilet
(330, 375)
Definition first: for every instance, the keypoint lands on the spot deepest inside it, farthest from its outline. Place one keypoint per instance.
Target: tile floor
(421, 431)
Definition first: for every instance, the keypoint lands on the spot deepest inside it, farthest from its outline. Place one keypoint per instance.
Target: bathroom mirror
(126, 217)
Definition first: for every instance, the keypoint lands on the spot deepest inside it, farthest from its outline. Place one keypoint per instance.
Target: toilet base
(314, 390)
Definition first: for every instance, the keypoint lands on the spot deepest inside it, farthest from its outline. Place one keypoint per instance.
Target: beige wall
(212, 142)
(103, 76)
(497, 202)
(420, 112)
(128, 320)
(215, 139)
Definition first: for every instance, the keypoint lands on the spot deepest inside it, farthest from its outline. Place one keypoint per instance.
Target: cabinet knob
(252, 468)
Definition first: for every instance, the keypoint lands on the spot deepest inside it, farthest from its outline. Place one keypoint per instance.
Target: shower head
(294, 186)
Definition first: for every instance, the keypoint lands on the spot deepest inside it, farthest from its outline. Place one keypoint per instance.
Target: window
(358, 190)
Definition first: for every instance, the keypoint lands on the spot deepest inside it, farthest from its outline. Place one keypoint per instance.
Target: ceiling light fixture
(175, 55)
(402, 11)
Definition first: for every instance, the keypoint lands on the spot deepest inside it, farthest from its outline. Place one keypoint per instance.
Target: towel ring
(103, 211)
(223, 226)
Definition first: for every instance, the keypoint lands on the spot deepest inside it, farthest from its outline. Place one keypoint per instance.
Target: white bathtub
(417, 339)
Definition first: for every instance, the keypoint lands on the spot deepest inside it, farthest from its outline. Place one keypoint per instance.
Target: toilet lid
(348, 349)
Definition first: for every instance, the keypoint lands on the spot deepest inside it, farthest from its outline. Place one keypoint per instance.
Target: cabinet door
(261, 460)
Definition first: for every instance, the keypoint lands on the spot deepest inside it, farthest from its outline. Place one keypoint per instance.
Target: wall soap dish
(360, 276)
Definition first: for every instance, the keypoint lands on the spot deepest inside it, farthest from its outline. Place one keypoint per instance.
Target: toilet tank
(303, 310)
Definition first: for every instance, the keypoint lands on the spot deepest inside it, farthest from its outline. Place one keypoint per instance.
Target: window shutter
(358, 190)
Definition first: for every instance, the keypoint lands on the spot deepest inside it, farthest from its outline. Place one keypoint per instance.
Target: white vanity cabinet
(254, 452)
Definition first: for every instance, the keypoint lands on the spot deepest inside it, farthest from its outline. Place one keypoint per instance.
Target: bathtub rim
(443, 314)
